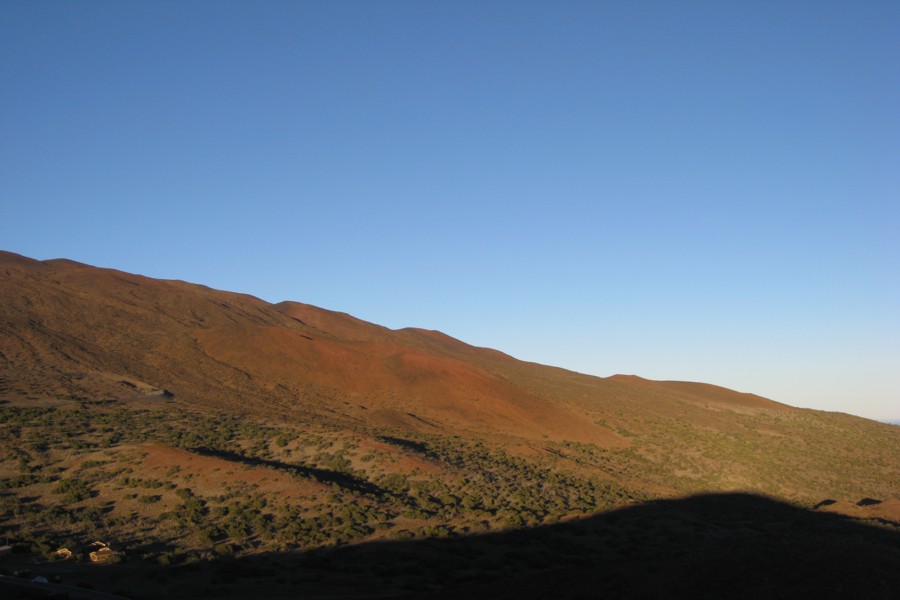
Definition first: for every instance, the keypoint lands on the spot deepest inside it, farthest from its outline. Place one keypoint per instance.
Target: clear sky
(695, 190)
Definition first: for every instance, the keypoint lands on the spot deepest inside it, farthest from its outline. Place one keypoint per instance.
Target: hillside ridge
(194, 424)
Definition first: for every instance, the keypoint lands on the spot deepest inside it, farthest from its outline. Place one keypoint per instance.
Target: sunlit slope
(70, 330)
(79, 330)
(88, 330)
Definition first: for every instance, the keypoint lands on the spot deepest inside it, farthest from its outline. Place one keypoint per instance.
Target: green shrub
(75, 490)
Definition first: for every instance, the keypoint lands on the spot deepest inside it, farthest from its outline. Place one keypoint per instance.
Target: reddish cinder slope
(334, 325)
(79, 330)
(389, 384)
(70, 330)
(96, 332)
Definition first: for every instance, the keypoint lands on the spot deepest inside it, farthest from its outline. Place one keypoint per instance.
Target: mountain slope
(189, 424)
(71, 330)
(83, 328)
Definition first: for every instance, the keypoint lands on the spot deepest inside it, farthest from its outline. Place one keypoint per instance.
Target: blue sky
(701, 191)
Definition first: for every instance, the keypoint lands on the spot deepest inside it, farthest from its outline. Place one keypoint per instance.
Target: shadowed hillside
(710, 546)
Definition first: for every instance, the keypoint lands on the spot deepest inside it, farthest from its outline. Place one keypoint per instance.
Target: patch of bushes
(73, 490)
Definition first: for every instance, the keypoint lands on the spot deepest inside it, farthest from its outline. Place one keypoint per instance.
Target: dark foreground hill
(212, 435)
(708, 546)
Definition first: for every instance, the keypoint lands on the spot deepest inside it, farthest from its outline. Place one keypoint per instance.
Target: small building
(102, 553)
(63, 554)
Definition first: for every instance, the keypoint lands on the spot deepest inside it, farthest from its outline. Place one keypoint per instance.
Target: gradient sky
(703, 191)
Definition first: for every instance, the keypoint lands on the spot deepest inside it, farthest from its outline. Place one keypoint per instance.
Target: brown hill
(69, 329)
(89, 329)
(192, 423)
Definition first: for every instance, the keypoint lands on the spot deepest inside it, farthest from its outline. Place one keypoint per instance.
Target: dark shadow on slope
(416, 447)
(345, 480)
(868, 502)
(709, 546)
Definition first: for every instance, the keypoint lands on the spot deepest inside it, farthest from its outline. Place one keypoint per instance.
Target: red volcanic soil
(334, 325)
(212, 476)
(74, 325)
(396, 385)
